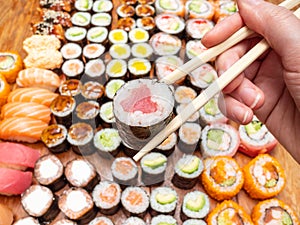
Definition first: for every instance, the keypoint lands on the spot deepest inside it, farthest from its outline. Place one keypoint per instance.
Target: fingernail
(246, 115)
(252, 94)
(240, 114)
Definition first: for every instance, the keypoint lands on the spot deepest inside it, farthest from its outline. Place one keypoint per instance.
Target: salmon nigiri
(26, 109)
(21, 129)
(36, 77)
(37, 95)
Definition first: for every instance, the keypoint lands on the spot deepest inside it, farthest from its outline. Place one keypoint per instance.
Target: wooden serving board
(15, 23)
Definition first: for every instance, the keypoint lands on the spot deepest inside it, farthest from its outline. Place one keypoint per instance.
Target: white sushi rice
(163, 219)
(141, 50)
(75, 33)
(184, 94)
(101, 19)
(107, 113)
(186, 160)
(81, 19)
(153, 156)
(97, 34)
(81, 5)
(95, 68)
(101, 220)
(70, 70)
(71, 51)
(194, 48)
(116, 68)
(197, 76)
(133, 221)
(192, 118)
(64, 222)
(102, 6)
(27, 221)
(101, 190)
(107, 139)
(98, 50)
(166, 64)
(174, 6)
(120, 51)
(194, 222)
(190, 133)
(168, 143)
(137, 208)
(201, 213)
(113, 86)
(121, 176)
(169, 23)
(165, 44)
(163, 208)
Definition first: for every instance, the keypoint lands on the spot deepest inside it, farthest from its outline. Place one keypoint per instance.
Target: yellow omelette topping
(120, 50)
(141, 50)
(116, 68)
(118, 36)
(139, 66)
(139, 35)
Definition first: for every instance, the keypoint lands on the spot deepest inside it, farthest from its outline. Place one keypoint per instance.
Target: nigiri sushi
(36, 77)
(21, 129)
(26, 109)
(17, 156)
(37, 95)
(14, 182)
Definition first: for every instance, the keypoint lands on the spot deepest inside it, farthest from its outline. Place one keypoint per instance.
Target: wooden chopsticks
(214, 88)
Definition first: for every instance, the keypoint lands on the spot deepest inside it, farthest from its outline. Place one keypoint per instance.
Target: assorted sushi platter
(80, 96)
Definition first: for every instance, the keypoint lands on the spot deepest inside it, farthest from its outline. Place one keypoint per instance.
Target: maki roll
(62, 107)
(194, 48)
(46, 210)
(101, 19)
(225, 9)
(119, 51)
(71, 51)
(197, 28)
(139, 67)
(167, 64)
(88, 112)
(112, 87)
(146, 23)
(203, 76)
(102, 220)
(167, 147)
(138, 35)
(55, 138)
(49, 171)
(141, 50)
(193, 118)
(135, 201)
(97, 35)
(81, 19)
(230, 212)
(219, 140)
(144, 2)
(163, 219)
(130, 152)
(184, 94)
(80, 136)
(195, 205)
(102, 6)
(125, 10)
(73, 68)
(142, 107)
(170, 23)
(107, 196)
(124, 171)
(200, 9)
(107, 115)
(256, 138)
(10, 65)
(76, 204)
(116, 69)
(194, 222)
(76, 34)
(92, 51)
(264, 177)
(126, 24)
(163, 200)
(134, 220)
(128, 2)
(222, 177)
(187, 171)
(189, 137)
(71, 87)
(82, 174)
(273, 211)
(118, 36)
(143, 10)
(165, 44)
(107, 142)
(64, 222)
(27, 221)
(170, 6)
(92, 90)
(153, 166)
(94, 70)
(83, 5)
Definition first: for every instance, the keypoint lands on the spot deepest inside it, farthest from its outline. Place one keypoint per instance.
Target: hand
(271, 85)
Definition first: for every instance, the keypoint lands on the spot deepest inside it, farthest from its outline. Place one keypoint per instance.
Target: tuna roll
(167, 147)
(189, 137)
(73, 68)
(71, 51)
(102, 220)
(92, 51)
(94, 70)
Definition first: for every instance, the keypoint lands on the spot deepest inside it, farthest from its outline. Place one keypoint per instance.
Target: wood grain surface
(15, 22)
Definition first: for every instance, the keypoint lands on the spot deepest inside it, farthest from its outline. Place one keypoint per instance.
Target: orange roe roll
(273, 211)
(264, 177)
(10, 65)
(222, 177)
(4, 89)
(228, 213)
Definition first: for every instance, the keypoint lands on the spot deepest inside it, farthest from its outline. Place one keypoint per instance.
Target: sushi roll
(197, 28)
(153, 166)
(167, 64)
(77, 205)
(92, 51)
(264, 177)
(64, 222)
(147, 23)
(184, 94)
(88, 112)
(189, 136)
(116, 69)
(119, 51)
(135, 201)
(167, 147)
(126, 24)
(203, 76)
(130, 152)
(46, 210)
(118, 36)
(62, 107)
(71, 87)
(195, 205)
(27, 221)
(222, 177)
(71, 51)
(193, 118)
(143, 10)
(107, 142)
(81, 174)
(94, 70)
(170, 6)
(92, 90)
(125, 10)
(80, 136)
(163, 219)
(138, 35)
(165, 44)
(273, 211)
(200, 9)
(142, 107)
(256, 138)
(139, 67)
(230, 212)
(128, 2)
(49, 171)
(106, 114)
(163, 200)
(76, 34)
(101, 19)
(194, 222)
(134, 220)
(81, 19)
(101, 220)
(107, 197)
(187, 171)
(102, 6)
(170, 24)
(225, 9)
(83, 5)
(73, 68)
(112, 87)
(194, 48)
(124, 171)
(141, 50)
(145, 2)
(10, 65)
(97, 35)
(219, 140)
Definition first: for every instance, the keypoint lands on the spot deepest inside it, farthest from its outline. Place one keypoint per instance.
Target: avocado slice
(107, 140)
(97, 34)
(167, 4)
(231, 9)
(6, 62)
(84, 4)
(76, 32)
(229, 182)
(196, 204)
(175, 26)
(81, 19)
(101, 5)
(190, 167)
(271, 183)
(195, 6)
(155, 163)
(165, 198)
(253, 127)
(286, 219)
(211, 107)
(214, 138)
(208, 77)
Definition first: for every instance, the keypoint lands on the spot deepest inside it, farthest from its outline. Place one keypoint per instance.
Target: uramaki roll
(222, 177)
(264, 177)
